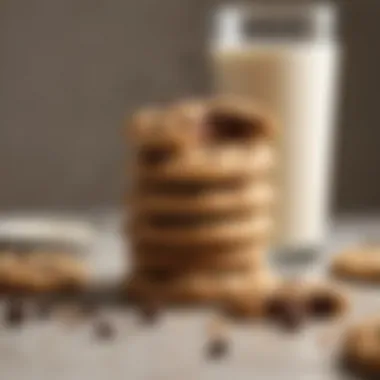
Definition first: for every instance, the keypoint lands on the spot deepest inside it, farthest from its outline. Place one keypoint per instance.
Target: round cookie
(40, 272)
(248, 258)
(256, 229)
(220, 120)
(53, 271)
(212, 164)
(227, 290)
(12, 276)
(257, 196)
(361, 348)
(362, 263)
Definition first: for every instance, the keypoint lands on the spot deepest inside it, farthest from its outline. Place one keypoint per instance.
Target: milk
(296, 81)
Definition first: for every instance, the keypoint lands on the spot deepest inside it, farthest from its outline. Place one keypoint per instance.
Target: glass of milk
(285, 55)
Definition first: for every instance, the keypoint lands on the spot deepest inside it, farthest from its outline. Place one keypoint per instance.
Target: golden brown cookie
(205, 199)
(233, 259)
(361, 348)
(211, 164)
(219, 120)
(40, 272)
(256, 229)
(362, 263)
(197, 288)
(225, 137)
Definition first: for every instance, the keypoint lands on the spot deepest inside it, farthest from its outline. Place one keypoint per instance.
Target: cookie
(256, 229)
(211, 164)
(227, 290)
(205, 199)
(361, 348)
(40, 272)
(204, 122)
(247, 258)
(362, 263)
(225, 137)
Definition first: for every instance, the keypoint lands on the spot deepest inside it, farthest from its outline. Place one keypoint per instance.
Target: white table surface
(174, 348)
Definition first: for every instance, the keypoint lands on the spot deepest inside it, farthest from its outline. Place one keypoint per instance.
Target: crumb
(104, 330)
(217, 348)
(150, 310)
(43, 309)
(14, 313)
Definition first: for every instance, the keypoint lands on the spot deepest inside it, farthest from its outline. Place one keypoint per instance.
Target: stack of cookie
(200, 202)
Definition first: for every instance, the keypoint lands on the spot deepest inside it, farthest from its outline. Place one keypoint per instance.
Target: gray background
(70, 71)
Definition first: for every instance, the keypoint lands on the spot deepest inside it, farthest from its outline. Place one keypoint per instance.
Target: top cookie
(225, 137)
(222, 119)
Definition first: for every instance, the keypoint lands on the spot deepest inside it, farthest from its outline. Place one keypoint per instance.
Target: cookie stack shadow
(200, 203)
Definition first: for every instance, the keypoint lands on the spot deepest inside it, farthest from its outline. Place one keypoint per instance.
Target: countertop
(174, 347)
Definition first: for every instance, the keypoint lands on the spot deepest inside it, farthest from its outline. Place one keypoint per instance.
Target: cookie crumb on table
(104, 330)
(217, 348)
(14, 313)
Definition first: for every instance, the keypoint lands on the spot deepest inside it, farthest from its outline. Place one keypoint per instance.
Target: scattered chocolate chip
(104, 330)
(293, 317)
(14, 313)
(150, 310)
(276, 306)
(217, 348)
(44, 308)
(288, 312)
(90, 307)
(321, 306)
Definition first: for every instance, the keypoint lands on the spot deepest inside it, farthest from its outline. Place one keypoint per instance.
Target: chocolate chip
(150, 311)
(321, 306)
(224, 127)
(287, 312)
(155, 155)
(90, 307)
(44, 308)
(276, 306)
(14, 313)
(104, 330)
(217, 348)
(293, 318)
